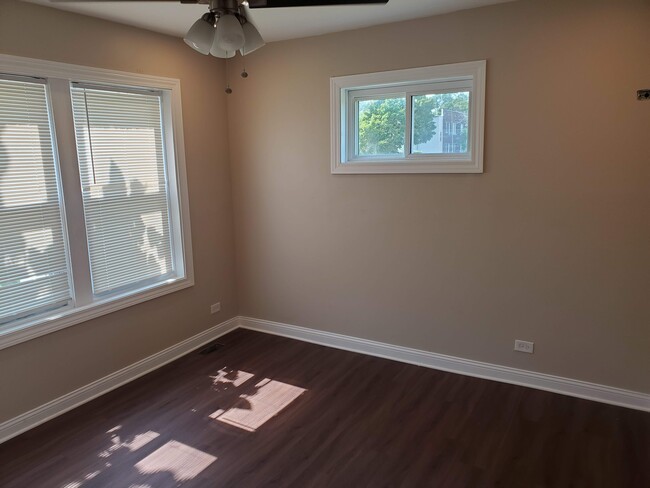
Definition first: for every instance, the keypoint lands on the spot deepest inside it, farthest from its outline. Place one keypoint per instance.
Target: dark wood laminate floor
(360, 422)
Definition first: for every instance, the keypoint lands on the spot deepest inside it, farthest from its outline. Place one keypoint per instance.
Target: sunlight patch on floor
(132, 444)
(182, 461)
(234, 378)
(252, 411)
(140, 440)
(88, 477)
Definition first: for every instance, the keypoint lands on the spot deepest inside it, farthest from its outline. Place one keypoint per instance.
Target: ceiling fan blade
(308, 3)
(101, 1)
(251, 3)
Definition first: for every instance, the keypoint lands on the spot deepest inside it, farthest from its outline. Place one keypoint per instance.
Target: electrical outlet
(215, 307)
(524, 346)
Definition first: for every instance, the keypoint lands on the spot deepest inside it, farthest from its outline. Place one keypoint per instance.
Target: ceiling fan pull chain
(244, 73)
(228, 89)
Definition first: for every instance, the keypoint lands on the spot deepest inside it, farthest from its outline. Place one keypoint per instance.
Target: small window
(421, 120)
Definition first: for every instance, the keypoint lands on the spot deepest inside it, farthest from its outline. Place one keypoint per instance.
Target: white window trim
(25, 330)
(470, 74)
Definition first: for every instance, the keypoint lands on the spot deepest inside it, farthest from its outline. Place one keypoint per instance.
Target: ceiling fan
(225, 28)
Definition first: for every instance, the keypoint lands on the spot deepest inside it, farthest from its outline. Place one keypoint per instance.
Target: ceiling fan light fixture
(230, 35)
(217, 52)
(200, 37)
(253, 41)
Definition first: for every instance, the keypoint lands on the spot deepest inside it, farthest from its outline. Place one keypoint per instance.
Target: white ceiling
(274, 24)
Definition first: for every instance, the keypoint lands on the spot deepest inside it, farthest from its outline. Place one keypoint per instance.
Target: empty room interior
(324, 243)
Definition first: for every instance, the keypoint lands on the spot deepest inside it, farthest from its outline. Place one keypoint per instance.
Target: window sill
(60, 319)
(411, 165)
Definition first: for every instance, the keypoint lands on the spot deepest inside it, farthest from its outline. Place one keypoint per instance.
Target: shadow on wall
(126, 232)
(123, 231)
(33, 274)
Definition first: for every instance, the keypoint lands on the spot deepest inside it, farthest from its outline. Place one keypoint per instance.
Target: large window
(422, 120)
(93, 206)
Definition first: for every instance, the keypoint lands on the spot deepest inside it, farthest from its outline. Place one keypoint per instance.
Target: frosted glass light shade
(230, 35)
(201, 35)
(253, 41)
(217, 52)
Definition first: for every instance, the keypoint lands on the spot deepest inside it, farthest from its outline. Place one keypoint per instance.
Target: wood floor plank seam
(574, 388)
(361, 421)
(69, 401)
(556, 384)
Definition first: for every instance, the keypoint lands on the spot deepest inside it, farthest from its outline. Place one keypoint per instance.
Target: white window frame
(85, 305)
(345, 91)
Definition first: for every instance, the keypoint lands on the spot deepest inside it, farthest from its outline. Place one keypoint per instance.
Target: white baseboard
(556, 384)
(58, 406)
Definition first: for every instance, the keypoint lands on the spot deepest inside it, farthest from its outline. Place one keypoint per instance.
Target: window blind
(33, 263)
(122, 168)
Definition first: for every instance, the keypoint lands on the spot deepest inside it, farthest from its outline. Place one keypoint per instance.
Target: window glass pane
(122, 168)
(440, 123)
(33, 263)
(381, 126)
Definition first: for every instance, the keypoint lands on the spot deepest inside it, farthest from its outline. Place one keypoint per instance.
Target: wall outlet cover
(524, 346)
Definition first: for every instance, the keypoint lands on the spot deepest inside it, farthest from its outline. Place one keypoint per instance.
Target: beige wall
(550, 244)
(42, 369)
